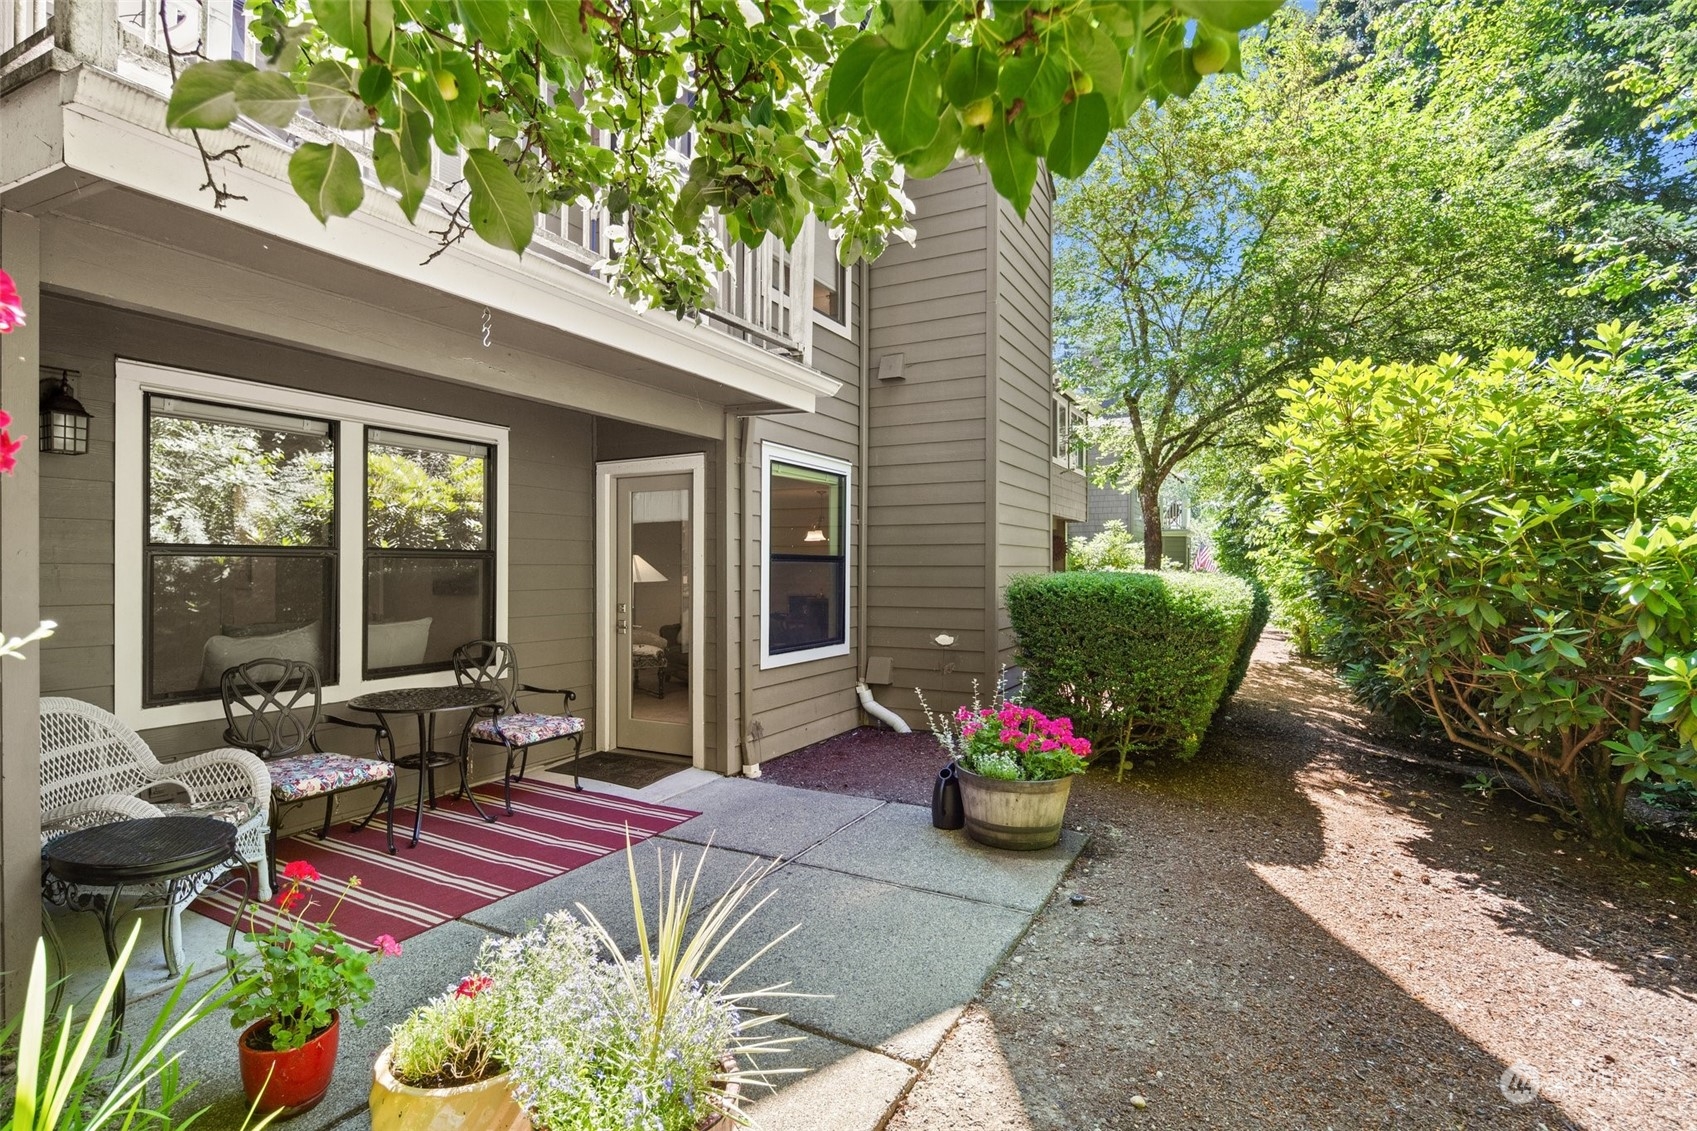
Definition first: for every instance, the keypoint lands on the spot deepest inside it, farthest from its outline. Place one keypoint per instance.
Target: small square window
(830, 278)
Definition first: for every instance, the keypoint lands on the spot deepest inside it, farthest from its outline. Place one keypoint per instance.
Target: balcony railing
(760, 298)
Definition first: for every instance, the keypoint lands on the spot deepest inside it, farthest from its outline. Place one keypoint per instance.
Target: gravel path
(1298, 929)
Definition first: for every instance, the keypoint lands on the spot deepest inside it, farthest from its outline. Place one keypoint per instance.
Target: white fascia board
(102, 137)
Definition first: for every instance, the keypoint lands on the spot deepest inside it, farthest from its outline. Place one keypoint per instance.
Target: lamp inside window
(64, 421)
(816, 532)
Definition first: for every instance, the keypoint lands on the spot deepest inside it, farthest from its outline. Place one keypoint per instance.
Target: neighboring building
(710, 532)
(1119, 501)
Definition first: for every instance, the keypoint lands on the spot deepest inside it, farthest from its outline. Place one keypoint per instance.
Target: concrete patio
(899, 924)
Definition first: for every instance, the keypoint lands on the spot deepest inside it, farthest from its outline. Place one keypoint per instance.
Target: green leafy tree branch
(789, 108)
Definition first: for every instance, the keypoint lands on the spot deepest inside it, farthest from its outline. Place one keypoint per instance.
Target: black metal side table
(425, 703)
(88, 870)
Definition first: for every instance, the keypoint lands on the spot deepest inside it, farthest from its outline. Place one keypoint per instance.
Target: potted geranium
(296, 985)
(583, 1036)
(1015, 766)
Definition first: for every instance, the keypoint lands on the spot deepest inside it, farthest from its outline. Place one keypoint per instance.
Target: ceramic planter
(291, 1081)
(1021, 815)
(487, 1105)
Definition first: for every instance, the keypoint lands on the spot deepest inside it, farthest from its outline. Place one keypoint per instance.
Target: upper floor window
(805, 535)
(831, 296)
(1066, 421)
(276, 522)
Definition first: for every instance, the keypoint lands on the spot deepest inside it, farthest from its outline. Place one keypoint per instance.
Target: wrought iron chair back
(492, 666)
(273, 707)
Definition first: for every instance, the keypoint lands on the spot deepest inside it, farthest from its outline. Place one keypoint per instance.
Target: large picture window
(240, 559)
(430, 568)
(254, 520)
(806, 557)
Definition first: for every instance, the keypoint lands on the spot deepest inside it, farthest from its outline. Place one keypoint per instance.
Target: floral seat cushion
(524, 729)
(310, 775)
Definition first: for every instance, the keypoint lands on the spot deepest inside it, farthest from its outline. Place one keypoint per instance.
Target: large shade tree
(795, 107)
(1303, 210)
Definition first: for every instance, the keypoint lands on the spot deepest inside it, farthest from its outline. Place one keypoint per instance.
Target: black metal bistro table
(425, 703)
(88, 870)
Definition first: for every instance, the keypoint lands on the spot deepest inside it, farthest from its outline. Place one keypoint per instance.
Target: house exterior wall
(794, 705)
(930, 537)
(1025, 502)
(550, 509)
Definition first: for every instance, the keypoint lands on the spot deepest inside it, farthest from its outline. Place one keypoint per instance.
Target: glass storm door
(654, 595)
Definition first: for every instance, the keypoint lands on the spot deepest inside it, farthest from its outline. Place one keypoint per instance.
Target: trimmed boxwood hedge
(1138, 660)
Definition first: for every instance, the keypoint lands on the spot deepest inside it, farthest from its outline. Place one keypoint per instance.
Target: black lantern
(64, 421)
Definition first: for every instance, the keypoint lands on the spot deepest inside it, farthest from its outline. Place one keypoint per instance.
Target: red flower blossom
(473, 984)
(8, 446)
(288, 899)
(388, 945)
(11, 306)
(299, 870)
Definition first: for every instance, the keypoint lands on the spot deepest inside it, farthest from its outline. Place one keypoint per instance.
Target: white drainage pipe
(880, 712)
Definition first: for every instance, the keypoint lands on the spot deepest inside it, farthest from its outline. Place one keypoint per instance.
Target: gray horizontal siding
(551, 584)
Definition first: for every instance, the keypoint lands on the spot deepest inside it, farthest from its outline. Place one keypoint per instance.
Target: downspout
(750, 733)
(880, 712)
(863, 649)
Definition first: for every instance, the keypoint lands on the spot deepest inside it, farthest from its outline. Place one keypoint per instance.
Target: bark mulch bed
(1301, 929)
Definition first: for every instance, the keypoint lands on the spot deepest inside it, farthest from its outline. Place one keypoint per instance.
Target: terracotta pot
(487, 1105)
(1021, 815)
(288, 1082)
(732, 1090)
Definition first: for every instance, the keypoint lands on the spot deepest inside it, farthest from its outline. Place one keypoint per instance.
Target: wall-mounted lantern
(64, 421)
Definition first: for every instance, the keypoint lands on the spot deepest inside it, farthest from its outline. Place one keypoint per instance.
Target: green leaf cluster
(1225, 243)
(1021, 84)
(1508, 543)
(658, 110)
(1139, 661)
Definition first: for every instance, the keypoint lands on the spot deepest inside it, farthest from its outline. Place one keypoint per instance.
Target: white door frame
(606, 545)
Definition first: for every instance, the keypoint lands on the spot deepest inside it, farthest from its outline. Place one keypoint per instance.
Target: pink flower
(11, 306)
(387, 944)
(473, 984)
(8, 449)
(298, 870)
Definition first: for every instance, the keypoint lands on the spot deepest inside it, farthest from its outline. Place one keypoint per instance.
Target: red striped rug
(462, 862)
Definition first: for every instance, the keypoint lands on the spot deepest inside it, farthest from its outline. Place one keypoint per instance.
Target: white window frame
(771, 453)
(1060, 430)
(136, 379)
(845, 326)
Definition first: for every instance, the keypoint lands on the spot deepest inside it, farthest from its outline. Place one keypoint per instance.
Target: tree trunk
(1149, 502)
(1590, 785)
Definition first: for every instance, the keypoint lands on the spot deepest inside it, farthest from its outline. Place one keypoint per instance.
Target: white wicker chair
(93, 768)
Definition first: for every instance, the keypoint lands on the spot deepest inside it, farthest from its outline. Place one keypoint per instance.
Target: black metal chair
(493, 665)
(273, 707)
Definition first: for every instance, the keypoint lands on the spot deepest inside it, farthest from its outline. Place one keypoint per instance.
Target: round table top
(419, 700)
(141, 848)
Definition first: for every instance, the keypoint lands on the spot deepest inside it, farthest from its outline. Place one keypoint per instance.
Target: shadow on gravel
(1299, 928)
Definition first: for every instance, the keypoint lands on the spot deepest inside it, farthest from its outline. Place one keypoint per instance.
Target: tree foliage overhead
(1227, 243)
(792, 107)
